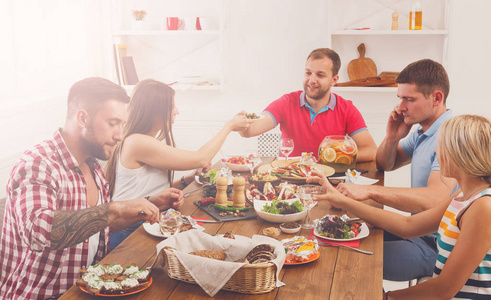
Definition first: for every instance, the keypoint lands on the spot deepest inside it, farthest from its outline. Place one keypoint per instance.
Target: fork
(355, 249)
(190, 192)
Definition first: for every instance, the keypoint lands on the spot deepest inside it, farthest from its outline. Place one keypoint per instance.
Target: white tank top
(140, 182)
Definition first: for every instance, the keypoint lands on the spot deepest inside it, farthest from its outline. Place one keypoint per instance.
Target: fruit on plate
(238, 160)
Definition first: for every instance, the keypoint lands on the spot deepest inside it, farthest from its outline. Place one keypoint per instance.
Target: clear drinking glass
(305, 193)
(309, 161)
(252, 159)
(170, 222)
(286, 146)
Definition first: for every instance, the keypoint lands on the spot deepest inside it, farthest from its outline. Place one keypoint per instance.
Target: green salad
(211, 176)
(283, 208)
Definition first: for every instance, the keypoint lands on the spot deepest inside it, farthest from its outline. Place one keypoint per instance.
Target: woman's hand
(239, 122)
(168, 198)
(330, 193)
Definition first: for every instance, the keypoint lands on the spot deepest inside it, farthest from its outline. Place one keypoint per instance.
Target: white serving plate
(258, 205)
(236, 167)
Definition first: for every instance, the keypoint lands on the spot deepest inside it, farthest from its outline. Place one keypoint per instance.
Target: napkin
(355, 243)
(211, 275)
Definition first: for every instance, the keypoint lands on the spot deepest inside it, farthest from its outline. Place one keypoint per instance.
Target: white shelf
(390, 32)
(167, 32)
(364, 89)
(184, 87)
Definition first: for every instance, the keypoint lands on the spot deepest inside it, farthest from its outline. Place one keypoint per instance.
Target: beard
(318, 94)
(93, 147)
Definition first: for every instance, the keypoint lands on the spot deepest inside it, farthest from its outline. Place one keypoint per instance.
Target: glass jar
(338, 152)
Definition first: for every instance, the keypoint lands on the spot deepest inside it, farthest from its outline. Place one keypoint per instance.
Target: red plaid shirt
(47, 178)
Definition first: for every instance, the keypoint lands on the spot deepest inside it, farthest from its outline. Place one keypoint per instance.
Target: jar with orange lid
(338, 152)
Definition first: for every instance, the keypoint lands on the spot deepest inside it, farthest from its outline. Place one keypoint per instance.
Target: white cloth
(211, 274)
(141, 182)
(93, 241)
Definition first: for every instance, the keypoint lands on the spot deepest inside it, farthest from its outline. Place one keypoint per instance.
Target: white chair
(268, 144)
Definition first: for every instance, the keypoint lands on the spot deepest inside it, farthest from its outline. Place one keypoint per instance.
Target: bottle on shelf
(395, 21)
(416, 17)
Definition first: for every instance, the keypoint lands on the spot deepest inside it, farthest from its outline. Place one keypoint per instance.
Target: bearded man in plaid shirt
(58, 212)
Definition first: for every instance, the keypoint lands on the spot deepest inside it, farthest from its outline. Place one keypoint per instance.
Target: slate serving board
(250, 214)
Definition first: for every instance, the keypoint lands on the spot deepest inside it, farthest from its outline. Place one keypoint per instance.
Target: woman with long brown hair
(145, 161)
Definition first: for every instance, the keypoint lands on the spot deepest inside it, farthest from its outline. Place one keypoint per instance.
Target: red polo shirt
(298, 121)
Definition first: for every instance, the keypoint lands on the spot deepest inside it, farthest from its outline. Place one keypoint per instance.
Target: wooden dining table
(338, 273)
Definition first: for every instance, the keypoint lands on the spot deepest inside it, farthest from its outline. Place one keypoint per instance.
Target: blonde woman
(144, 162)
(463, 266)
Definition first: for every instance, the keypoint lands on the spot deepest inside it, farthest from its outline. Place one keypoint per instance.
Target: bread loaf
(214, 254)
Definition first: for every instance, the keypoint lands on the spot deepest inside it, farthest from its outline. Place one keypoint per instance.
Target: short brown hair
(321, 53)
(90, 93)
(428, 75)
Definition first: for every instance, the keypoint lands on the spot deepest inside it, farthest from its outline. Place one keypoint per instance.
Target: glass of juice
(338, 152)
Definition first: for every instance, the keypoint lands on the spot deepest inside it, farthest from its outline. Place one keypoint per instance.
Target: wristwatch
(183, 182)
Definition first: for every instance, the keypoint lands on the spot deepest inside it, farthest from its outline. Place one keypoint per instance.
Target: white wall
(267, 43)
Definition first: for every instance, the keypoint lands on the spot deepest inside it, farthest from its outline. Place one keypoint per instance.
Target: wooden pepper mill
(239, 193)
(221, 197)
(395, 22)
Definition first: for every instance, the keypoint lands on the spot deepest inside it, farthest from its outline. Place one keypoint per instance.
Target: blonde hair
(152, 101)
(466, 141)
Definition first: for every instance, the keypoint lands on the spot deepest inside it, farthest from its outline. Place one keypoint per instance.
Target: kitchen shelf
(364, 89)
(167, 32)
(389, 32)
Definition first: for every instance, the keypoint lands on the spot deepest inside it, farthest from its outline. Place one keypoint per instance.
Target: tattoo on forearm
(72, 227)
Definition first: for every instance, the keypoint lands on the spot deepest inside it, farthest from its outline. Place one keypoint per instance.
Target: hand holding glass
(286, 146)
(306, 192)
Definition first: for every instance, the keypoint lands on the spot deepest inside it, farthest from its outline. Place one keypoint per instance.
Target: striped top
(478, 286)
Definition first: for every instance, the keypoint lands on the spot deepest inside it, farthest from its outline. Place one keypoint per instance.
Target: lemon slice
(343, 159)
(328, 155)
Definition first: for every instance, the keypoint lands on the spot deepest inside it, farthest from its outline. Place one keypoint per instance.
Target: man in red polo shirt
(310, 115)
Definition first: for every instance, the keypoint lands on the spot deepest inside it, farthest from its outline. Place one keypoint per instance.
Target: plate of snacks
(236, 163)
(291, 170)
(280, 211)
(188, 223)
(113, 280)
(340, 228)
(260, 179)
(300, 250)
(290, 227)
(284, 191)
(254, 116)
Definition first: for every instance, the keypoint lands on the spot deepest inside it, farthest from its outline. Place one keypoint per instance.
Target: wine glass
(306, 192)
(252, 159)
(286, 146)
(309, 161)
(170, 223)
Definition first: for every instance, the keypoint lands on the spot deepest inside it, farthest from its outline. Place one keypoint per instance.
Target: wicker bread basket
(249, 279)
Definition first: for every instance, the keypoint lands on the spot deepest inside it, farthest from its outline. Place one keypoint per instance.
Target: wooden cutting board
(361, 67)
(371, 81)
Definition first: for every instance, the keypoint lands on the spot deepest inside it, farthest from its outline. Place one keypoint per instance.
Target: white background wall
(267, 43)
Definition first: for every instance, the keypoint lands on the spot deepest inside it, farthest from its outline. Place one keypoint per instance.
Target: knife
(208, 221)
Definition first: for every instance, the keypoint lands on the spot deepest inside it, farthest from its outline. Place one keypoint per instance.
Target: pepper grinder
(395, 22)
(239, 193)
(221, 197)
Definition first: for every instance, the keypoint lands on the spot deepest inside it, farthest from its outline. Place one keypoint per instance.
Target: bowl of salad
(280, 211)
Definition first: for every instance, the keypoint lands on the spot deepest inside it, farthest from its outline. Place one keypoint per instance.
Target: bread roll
(214, 254)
